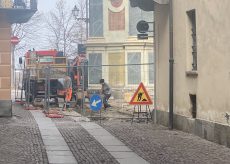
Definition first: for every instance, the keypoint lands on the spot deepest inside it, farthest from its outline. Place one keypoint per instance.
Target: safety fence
(43, 84)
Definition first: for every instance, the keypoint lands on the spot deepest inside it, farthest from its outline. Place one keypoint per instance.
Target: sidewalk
(21, 141)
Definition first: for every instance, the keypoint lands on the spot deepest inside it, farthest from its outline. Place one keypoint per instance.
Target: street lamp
(75, 13)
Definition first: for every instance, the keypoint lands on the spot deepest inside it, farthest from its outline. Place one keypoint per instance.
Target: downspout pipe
(155, 72)
(171, 62)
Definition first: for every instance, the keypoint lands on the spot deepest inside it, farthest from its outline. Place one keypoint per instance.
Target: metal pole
(12, 66)
(15, 88)
(28, 88)
(87, 19)
(155, 74)
(48, 105)
(83, 86)
(47, 88)
(100, 116)
(45, 100)
(23, 84)
(171, 62)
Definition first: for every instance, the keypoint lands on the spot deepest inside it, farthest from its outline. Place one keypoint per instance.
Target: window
(151, 67)
(134, 68)
(194, 105)
(193, 41)
(46, 59)
(96, 18)
(95, 68)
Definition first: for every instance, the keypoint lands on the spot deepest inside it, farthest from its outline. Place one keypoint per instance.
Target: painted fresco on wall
(116, 15)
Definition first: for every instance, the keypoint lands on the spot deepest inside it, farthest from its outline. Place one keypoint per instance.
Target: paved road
(21, 142)
(157, 144)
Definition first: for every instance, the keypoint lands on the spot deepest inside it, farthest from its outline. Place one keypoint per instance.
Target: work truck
(42, 69)
(44, 73)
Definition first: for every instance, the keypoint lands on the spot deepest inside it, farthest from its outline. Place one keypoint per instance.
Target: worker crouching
(106, 93)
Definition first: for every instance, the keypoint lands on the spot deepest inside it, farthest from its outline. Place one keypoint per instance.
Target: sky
(47, 5)
(44, 7)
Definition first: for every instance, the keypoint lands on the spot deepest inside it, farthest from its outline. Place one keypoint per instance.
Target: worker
(106, 92)
(68, 91)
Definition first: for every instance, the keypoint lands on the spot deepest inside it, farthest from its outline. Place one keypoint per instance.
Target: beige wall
(115, 36)
(212, 84)
(114, 47)
(5, 59)
(162, 54)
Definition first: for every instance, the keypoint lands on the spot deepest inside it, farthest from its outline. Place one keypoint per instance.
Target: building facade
(199, 35)
(10, 12)
(112, 45)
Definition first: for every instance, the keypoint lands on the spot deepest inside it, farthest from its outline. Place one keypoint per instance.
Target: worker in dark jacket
(106, 92)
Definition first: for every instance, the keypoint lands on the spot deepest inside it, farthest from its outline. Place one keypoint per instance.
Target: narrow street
(22, 141)
(114, 82)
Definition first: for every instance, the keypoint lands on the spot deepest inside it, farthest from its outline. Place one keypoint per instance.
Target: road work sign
(95, 102)
(141, 96)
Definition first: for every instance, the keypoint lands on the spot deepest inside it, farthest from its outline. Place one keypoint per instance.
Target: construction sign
(141, 97)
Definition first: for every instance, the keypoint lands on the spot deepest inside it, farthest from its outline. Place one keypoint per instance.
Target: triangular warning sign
(141, 96)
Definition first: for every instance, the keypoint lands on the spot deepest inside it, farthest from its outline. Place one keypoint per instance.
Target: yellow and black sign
(141, 96)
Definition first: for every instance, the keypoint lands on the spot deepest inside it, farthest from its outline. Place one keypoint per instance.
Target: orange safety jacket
(68, 95)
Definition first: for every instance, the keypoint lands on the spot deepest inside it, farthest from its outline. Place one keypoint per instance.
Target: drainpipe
(155, 72)
(171, 62)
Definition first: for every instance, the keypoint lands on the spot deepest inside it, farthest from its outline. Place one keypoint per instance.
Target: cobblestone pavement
(83, 146)
(20, 139)
(157, 144)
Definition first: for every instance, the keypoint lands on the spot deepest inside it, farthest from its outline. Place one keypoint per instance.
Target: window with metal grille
(192, 23)
(194, 105)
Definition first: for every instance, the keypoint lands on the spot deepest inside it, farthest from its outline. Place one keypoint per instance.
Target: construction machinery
(44, 72)
(41, 74)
